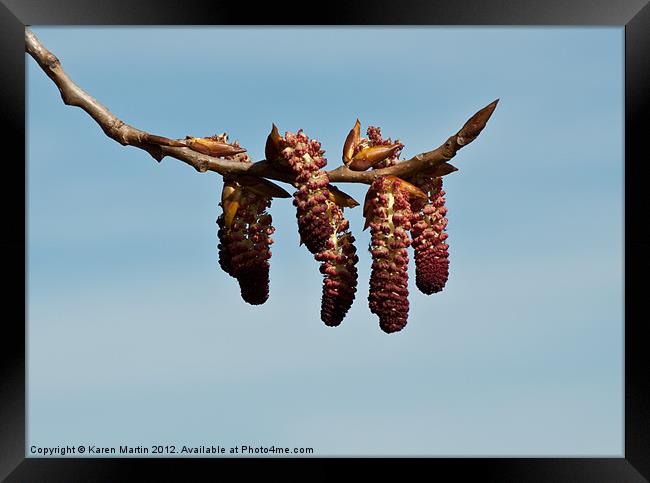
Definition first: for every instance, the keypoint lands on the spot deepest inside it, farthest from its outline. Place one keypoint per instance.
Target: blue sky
(135, 336)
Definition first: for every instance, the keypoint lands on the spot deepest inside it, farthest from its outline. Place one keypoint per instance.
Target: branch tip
(473, 127)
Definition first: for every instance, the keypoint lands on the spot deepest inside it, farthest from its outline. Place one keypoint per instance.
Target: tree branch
(159, 146)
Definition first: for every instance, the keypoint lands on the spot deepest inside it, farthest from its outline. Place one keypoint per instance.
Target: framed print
(455, 290)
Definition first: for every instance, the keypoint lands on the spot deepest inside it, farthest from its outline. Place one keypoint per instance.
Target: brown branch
(159, 146)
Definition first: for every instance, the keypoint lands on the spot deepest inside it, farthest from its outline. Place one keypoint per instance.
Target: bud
(375, 139)
(442, 169)
(410, 189)
(272, 147)
(473, 127)
(370, 156)
(211, 146)
(341, 198)
(262, 186)
(228, 191)
(351, 142)
(230, 206)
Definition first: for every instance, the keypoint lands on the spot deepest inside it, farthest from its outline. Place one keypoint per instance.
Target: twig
(159, 146)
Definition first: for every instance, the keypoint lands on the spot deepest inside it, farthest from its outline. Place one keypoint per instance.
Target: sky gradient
(135, 335)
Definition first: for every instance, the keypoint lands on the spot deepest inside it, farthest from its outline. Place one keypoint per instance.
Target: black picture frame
(634, 15)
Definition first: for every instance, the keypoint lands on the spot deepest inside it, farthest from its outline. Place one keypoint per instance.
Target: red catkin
(321, 225)
(429, 238)
(389, 215)
(244, 246)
